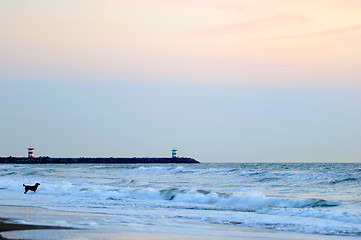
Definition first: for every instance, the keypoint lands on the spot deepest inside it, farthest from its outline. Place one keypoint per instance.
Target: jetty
(31, 159)
(133, 160)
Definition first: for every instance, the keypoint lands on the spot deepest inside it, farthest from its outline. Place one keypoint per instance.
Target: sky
(220, 80)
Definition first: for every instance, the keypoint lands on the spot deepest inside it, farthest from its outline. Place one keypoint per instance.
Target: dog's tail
(24, 185)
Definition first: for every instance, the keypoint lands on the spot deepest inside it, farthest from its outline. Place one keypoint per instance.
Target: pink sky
(278, 42)
(275, 80)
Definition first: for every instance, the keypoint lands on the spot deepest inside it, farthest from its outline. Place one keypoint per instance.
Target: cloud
(254, 25)
(334, 31)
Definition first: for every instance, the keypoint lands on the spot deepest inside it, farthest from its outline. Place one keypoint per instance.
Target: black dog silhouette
(31, 188)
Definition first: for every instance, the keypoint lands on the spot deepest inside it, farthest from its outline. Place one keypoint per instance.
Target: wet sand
(7, 225)
(18, 222)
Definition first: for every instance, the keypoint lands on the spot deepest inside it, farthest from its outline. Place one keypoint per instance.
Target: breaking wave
(251, 201)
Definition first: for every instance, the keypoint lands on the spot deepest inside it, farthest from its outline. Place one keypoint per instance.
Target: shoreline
(22, 222)
(7, 225)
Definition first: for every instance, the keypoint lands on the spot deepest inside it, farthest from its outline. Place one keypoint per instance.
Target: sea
(312, 198)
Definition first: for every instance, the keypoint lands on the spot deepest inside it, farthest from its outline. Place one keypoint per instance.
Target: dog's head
(37, 184)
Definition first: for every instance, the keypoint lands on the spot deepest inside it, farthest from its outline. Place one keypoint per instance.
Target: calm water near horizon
(315, 198)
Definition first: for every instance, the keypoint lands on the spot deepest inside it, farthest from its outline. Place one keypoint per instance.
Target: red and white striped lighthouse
(30, 152)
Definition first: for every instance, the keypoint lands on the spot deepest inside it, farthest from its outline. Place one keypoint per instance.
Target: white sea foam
(153, 169)
(268, 196)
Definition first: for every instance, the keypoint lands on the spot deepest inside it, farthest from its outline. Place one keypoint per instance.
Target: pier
(133, 160)
(31, 159)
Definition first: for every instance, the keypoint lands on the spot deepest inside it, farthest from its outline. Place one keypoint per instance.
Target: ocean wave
(181, 169)
(250, 173)
(299, 224)
(299, 199)
(313, 213)
(250, 201)
(298, 178)
(153, 169)
(8, 174)
(346, 179)
(126, 188)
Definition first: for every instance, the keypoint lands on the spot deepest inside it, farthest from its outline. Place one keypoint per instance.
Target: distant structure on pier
(31, 159)
(174, 153)
(30, 152)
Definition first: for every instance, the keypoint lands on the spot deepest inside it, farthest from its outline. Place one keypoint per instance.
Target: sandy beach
(7, 225)
(21, 222)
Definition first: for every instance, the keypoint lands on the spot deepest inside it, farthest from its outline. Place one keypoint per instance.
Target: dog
(31, 188)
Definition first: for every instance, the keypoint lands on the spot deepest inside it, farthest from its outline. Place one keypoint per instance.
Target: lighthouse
(30, 152)
(174, 153)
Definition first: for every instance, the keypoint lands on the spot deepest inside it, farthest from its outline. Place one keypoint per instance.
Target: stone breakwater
(51, 160)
